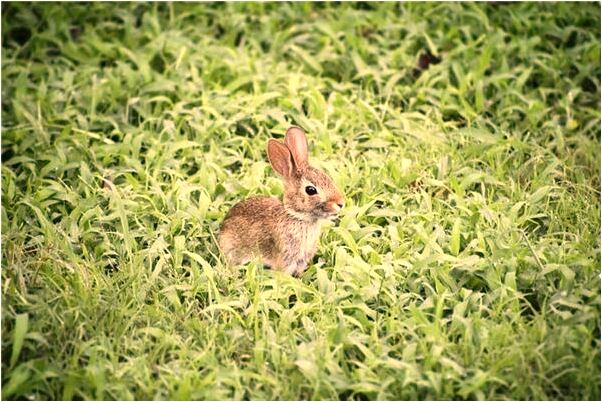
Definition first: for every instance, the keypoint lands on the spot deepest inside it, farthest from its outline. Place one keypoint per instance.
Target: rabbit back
(248, 230)
(261, 226)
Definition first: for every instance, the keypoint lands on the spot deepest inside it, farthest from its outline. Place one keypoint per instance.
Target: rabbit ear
(280, 158)
(296, 141)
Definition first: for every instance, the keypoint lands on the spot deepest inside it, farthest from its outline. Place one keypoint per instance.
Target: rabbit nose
(337, 204)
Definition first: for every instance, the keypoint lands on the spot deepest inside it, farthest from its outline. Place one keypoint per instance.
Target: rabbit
(283, 234)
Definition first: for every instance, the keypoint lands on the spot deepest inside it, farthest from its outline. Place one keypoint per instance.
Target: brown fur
(283, 234)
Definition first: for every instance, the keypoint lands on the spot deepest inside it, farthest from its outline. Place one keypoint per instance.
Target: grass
(465, 136)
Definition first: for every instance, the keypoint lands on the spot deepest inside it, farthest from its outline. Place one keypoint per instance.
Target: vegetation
(465, 136)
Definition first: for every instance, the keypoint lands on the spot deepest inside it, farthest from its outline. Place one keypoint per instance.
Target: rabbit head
(309, 193)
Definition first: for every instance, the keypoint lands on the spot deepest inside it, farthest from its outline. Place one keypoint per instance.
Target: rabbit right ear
(280, 157)
(296, 141)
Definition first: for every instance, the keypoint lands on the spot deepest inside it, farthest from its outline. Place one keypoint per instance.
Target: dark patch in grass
(133, 117)
(415, 185)
(326, 92)
(7, 154)
(75, 32)
(111, 266)
(292, 299)
(157, 63)
(234, 167)
(364, 5)
(345, 395)
(116, 137)
(454, 116)
(537, 225)
(246, 127)
(105, 63)
(103, 107)
(589, 85)
(534, 302)
(219, 31)
(192, 169)
(572, 39)
(265, 46)
(139, 15)
(305, 107)
(424, 61)
(239, 38)
(534, 80)
(19, 35)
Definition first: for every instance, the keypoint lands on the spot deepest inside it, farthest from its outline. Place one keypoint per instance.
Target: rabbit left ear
(296, 142)
(280, 158)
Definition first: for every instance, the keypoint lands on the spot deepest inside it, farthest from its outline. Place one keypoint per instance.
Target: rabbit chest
(309, 241)
(300, 244)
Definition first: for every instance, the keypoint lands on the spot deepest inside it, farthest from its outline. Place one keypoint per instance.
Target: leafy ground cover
(465, 136)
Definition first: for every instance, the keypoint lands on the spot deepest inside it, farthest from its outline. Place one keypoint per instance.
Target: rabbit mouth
(334, 217)
(324, 212)
(319, 212)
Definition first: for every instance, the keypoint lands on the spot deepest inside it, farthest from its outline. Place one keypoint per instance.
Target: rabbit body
(283, 234)
(262, 226)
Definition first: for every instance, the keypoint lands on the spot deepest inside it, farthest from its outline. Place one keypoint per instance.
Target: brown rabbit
(283, 234)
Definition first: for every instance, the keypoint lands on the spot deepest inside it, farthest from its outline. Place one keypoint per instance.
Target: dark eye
(311, 190)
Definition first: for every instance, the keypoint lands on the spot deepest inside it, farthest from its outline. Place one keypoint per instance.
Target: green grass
(466, 265)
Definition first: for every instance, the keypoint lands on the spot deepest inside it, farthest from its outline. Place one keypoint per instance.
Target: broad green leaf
(19, 332)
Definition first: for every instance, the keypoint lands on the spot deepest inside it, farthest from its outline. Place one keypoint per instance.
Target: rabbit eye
(311, 190)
